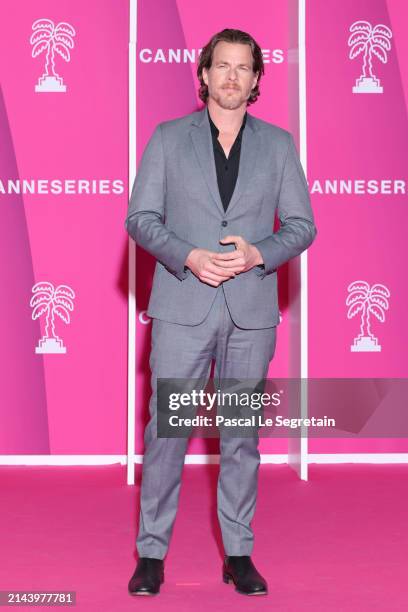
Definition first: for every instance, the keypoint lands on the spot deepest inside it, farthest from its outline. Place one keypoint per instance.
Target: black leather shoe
(147, 577)
(243, 573)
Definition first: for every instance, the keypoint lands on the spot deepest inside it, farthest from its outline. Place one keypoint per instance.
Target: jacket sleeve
(297, 230)
(145, 218)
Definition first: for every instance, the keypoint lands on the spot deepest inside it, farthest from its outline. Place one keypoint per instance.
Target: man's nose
(232, 74)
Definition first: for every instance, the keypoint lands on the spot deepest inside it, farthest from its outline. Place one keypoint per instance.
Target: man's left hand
(245, 256)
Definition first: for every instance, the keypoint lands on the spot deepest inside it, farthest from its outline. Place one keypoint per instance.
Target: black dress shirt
(227, 167)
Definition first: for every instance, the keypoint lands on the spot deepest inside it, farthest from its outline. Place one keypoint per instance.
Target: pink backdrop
(76, 403)
(362, 236)
(73, 403)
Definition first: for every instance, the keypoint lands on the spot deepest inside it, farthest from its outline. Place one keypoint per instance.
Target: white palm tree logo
(53, 39)
(52, 301)
(371, 41)
(367, 300)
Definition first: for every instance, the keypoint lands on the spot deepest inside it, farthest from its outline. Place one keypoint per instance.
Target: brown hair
(231, 36)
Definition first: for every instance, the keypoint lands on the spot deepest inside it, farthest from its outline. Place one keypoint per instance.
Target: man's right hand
(202, 266)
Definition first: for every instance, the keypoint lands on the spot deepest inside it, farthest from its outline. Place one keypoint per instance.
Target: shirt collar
(215, 131)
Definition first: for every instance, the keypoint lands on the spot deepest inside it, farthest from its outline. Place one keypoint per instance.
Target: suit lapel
(247, 161)
(202, 141)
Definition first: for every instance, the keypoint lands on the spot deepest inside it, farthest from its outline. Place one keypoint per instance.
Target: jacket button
(224, 223)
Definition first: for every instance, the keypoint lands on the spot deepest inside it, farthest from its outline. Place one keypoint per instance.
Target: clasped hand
(214, 268)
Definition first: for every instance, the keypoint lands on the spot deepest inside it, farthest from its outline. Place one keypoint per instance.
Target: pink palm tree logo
(371, 41)
(366, 300)
(53, 39)
(51, 301)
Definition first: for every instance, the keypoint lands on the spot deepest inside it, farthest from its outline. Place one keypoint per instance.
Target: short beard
(228, 103)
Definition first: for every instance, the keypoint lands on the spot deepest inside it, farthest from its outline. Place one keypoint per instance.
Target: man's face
(230, 78)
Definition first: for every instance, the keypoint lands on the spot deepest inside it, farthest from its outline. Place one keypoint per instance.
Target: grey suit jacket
(175, 206)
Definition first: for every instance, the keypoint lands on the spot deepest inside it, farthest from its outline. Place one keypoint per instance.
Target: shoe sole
(145, 593)
(228, 579)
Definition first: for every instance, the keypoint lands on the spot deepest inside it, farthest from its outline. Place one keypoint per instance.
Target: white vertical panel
(132, 251)
(303, 258)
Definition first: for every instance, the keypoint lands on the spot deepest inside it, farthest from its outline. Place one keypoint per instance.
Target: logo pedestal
(365, 344)
(367, 85)
(50, 345)
(51, 83)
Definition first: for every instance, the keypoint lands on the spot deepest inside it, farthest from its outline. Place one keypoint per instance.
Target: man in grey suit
(203, 204)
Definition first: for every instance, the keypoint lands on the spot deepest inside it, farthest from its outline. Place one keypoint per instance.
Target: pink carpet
(336, 543)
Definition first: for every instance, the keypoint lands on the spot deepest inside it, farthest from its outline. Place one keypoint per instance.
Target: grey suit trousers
(185, 351)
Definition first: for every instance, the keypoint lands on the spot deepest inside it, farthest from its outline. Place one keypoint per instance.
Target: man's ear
(205, 76)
